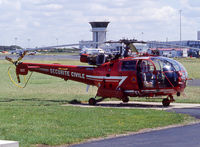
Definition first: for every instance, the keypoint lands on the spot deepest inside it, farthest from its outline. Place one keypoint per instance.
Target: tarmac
(181, 136)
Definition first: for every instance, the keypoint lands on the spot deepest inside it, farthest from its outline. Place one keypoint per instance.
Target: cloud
(45, 20)
(53, 6)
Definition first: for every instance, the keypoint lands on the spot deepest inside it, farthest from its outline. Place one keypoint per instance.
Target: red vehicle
(142, 76)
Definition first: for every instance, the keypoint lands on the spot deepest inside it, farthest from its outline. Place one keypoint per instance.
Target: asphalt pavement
(194, 82)
(184, 136)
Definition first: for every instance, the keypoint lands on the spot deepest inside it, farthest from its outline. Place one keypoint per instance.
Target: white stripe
(122, 81)
(129, 91)
(104, 77)
(121, 78)
(108, 80)
(149, 90)
(162, 90)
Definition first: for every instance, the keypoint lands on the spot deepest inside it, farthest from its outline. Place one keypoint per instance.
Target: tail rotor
(18, 60)
(17, 68)
(22, 56)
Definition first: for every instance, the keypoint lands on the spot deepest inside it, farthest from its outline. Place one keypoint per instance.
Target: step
(8, 143)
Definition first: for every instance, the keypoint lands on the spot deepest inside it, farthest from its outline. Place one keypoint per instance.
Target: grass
(34, 116)
(191, 95)
(55, 125)
(192, 66)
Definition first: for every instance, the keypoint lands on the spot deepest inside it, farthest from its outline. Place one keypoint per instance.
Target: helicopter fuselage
(131, 76)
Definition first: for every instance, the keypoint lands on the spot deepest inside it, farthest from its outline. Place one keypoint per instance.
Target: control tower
(99, 30)
(198, 35)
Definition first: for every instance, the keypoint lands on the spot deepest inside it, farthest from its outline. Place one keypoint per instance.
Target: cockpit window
(168, 70)
(128, 65)
(166, 64)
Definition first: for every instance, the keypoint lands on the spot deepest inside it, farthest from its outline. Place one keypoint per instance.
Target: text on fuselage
(67, 73)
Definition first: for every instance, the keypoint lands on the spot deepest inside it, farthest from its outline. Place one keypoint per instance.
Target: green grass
(33, 115)
(191, 95)
(55, 125)
(192, 66)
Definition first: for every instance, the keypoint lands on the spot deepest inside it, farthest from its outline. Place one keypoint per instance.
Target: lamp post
(180, 11)
(142, 33)
(57, 41)
(28, 42)
(16, 40)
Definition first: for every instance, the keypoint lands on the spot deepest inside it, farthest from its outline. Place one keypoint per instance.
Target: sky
(37, 23)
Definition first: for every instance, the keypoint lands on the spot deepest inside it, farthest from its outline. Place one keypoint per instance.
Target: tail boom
(66, 72)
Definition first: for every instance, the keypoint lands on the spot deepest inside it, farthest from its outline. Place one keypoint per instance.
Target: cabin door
(146, 74)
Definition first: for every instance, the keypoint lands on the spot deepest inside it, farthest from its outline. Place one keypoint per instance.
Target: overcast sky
(44, 22)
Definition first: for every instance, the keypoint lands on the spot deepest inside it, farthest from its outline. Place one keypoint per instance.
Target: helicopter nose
(182, 79)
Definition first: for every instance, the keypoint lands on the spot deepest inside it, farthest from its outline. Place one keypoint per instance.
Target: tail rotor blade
(9, 59)
(22, 56)
(18, 78)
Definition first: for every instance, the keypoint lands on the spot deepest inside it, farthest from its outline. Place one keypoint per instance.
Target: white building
(198, 35)
(99, 30)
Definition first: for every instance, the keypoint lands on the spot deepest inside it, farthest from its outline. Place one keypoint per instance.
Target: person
(148, 76)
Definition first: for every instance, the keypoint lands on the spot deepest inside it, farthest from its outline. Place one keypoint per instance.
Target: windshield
(168, 70)
(166, 65)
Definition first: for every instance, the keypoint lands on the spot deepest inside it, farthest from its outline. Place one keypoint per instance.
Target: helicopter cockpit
(161, 72)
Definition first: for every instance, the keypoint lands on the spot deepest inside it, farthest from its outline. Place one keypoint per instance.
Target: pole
(28, 42)
(15, 40)
(57, 41)
(180, 11)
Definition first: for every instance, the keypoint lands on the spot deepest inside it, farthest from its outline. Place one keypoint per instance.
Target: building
(170, 52)
(192, 46)
(99, 30)
(186, 43)
(198, 35)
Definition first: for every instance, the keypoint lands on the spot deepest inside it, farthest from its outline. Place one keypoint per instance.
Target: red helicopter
(119, 76)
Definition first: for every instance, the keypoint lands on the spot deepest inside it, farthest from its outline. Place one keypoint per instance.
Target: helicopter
(120, 75)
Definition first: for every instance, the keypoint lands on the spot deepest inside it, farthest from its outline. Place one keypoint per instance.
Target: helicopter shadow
(75, 102)
(43, 101)
(111, 104)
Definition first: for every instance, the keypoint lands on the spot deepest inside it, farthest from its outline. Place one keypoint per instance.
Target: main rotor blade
(57, 46)
(126, 41)
(49, 47)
